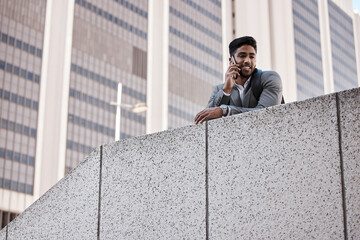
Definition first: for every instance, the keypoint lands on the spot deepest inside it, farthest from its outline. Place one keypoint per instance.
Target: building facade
(61, 62)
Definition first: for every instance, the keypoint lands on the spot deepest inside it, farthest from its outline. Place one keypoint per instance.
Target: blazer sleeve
(270, 96)
(218, 97)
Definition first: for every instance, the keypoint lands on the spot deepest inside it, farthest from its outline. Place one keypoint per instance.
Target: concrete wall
(286, 172)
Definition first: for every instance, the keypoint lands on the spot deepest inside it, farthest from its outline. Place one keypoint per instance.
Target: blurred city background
(61, 63)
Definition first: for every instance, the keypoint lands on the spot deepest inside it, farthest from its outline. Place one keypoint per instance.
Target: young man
(246, 88)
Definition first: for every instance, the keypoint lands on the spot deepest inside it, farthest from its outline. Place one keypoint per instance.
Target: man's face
(245, 57)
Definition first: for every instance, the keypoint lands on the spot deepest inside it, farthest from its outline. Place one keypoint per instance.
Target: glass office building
(22, 31)
(342, 48)
(109, 46)
(195, 57)
(309, 72)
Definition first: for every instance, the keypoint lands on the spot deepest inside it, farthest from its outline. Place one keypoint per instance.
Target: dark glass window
(33, 132)
(31, 161)
(2, 153)
(37, 78)
(24, 158)
(2, 64)
(26, 130)
(32, 50)
(9, 67)
(14, 98)
(16, 70)
(18, 43)
(30, 76)
(23, 73)
(4, 37)
(38, 52)
(12, 41)
(35, 106)
(25, 46)
(18, 128)
(9, 154)
(17, 157)
(27, 102)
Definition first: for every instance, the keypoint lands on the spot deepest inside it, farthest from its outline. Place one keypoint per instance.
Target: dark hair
(238, 42)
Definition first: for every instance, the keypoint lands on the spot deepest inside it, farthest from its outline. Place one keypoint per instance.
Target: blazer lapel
(235, 97)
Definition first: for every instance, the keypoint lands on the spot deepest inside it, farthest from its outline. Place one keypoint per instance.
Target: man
(246, 88)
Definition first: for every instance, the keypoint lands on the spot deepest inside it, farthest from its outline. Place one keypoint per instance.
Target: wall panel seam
(206, 181)
(99, 198)
(341, 166)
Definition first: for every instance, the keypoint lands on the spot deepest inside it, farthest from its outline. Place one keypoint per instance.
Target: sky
(356, 5)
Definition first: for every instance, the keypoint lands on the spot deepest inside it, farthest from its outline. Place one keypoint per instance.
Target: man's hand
(208, 113)
(230, 77)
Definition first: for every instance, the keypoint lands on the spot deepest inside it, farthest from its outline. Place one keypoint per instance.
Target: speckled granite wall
(275, 174)
(349, 105)
(69, 210)
(153, 187)
(286, 172)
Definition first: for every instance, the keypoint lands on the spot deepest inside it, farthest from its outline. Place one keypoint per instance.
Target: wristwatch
(224, 109)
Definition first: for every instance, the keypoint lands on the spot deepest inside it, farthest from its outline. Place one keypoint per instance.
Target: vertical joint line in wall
(341, 167)
(99, 199)
(206, 181)
(6, 233)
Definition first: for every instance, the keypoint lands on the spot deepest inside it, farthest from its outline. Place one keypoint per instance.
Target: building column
(54, 95)
(326, 46)
(283, 46)
(227, 31)
(252, 19)
(356, 25)
(158, 66)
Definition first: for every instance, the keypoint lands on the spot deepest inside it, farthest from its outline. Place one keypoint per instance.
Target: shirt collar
(245, 84)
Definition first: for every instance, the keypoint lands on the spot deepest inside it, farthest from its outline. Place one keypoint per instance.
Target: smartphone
(233, 60)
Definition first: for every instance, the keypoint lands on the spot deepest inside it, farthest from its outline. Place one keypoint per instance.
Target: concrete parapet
(285, 172)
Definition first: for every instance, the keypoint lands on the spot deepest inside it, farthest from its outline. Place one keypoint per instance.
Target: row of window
(5, 38)
(133, 8)
(344, 50)
(350, 67)
(216, 2)
(92, 100)
(345, 76)
(78, 147)
(16, 186)
(203, 11)
(19, 128)
(318, 82)
(17, 157)
(312, 10)
(307, 49)
(349, 43)
(305, 34)
(107, 82)
(195, 24)
(111, 18)
(19, 72)
(133, 116)
(91, 125)
(195, 62)
(26, 102)
(105, 105)
(311, 65)
(342, 22)
(195, 43)
(180, 113)
(315, 27)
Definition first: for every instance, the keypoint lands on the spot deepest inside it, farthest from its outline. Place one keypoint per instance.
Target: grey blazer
(270, 96)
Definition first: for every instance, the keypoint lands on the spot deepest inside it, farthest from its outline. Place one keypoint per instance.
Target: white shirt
(241, 91)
